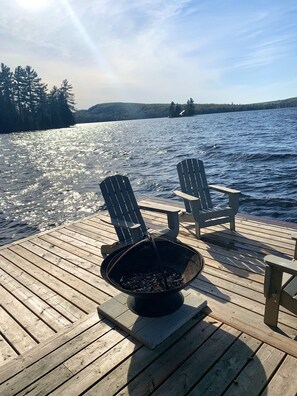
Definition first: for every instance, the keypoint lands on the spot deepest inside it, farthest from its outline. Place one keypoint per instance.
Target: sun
(33, 4)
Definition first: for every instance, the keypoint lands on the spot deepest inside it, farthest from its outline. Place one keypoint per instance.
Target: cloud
(150, 51)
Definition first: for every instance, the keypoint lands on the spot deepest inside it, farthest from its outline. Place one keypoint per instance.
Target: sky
(156, 51)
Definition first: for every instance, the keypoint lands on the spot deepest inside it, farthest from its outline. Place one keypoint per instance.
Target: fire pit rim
(147, 294)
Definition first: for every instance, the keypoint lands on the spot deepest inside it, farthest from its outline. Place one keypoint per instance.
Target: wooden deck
(53, 341)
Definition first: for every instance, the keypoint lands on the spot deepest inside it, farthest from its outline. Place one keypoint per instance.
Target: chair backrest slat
(121, 204)
(193, 181)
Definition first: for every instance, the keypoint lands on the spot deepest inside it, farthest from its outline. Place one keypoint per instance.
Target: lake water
(51, 177)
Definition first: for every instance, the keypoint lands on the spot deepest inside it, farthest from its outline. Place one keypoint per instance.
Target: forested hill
(121, 111)
(132, 111)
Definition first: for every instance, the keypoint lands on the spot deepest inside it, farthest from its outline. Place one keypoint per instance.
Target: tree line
(177, 110)
(27, 105)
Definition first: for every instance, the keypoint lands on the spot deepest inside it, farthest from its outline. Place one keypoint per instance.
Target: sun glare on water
(33, 5)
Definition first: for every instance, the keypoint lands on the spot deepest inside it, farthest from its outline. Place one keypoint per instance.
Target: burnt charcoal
(152, 281)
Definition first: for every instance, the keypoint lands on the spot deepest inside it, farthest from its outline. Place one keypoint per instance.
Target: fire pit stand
(152, 331)
(154, 306)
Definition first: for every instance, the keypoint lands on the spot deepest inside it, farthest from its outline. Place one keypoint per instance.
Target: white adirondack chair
(125, 215)
(280, 285)
(197, 199)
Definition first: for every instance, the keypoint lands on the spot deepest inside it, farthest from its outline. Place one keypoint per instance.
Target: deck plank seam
(31, 310)
(65, 272)
(67, 299)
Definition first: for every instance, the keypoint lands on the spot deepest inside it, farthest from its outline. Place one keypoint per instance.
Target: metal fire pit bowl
(145, 258)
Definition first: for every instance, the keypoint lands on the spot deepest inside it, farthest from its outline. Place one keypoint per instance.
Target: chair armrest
(134, 228)
(185, 196)
(281, 264)
(225, 190)
(172, 216)
(192, 205)
(233, 196)
(124, 224)
(159, 208)
(135, 233)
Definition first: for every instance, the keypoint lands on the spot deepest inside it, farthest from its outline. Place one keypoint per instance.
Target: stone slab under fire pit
(148, 330)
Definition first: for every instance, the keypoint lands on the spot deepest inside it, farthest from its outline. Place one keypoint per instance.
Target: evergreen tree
(54, 109)
(66, 89)
(19, 93)
(32, 87)
(66, 103)
(8, 116)
(172, 109)
(190, 107)
(178, 110)
(26, 105)
(42, 107)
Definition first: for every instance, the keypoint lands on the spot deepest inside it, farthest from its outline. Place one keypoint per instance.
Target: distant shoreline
(120, 111)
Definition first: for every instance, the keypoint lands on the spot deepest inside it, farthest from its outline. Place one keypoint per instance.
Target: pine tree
(66, 103)
(32, 88)
(19, 93)
(178, 110)
(190, 107)
(8, 116)
(25, 103)
(54, 108)
(66, 88)
(172, 109)
(42, 107)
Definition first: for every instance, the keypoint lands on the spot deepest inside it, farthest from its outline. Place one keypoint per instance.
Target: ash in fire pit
(152, 272)
(153, 281)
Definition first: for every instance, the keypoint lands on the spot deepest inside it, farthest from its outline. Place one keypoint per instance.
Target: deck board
(223, 372)
(53, 340)
(265, 361)
(51, 316)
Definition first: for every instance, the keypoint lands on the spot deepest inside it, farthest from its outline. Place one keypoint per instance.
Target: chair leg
(197, 229)
(273, 287)
(173, 223)
(234, 201)
(271, 311)
(232, 223)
